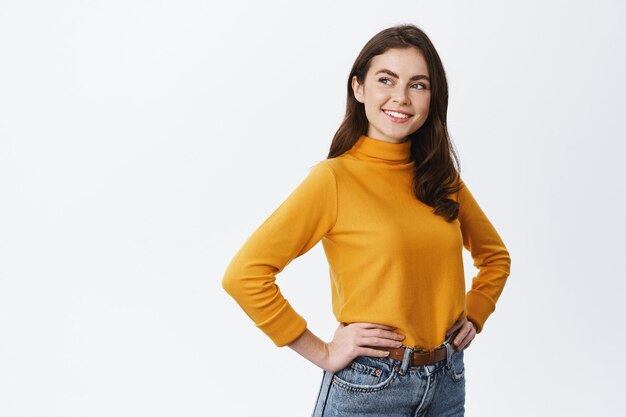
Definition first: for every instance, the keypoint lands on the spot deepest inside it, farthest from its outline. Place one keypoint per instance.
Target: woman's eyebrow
(393, 74)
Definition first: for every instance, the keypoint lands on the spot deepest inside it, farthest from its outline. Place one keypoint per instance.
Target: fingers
(376, 334)
(382, 333)
(454, 327)
(464, 337)
(459, 338)
(373, 352)
(378, 341)
(379, 337)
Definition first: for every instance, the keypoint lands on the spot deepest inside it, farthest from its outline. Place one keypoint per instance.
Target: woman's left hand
(465, 336)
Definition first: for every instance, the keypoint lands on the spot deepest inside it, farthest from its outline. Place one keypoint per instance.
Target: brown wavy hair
(437, 166)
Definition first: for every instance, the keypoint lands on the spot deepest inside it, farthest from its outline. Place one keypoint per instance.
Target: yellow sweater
(392, 261)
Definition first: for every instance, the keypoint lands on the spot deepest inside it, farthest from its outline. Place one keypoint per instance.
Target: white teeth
(396, 114)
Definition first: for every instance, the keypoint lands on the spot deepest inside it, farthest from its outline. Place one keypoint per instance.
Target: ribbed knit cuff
(479, 307)
(285, 326)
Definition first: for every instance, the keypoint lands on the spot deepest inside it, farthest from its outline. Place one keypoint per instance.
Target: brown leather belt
(418, 357)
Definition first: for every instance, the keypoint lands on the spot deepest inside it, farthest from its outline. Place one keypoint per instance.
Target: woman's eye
(385, 79)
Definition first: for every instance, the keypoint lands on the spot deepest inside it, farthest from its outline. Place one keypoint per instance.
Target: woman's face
(397, 81)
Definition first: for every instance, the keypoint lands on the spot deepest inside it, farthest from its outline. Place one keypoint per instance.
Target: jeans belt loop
(449, 348)
(408, 353)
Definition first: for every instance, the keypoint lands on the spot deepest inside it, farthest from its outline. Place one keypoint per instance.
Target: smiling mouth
(397, 117)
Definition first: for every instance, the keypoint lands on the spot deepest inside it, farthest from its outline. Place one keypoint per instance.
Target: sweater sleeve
(490, 255)
(299, 222)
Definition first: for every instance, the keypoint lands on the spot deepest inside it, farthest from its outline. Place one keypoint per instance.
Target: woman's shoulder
(337, 165)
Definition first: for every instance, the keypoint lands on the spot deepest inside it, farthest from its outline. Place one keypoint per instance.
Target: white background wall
(142, 142)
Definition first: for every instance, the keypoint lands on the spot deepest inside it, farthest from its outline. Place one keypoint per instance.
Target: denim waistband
(408, 351)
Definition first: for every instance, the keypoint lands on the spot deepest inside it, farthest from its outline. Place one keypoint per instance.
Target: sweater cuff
(285, 326)
(479, 307)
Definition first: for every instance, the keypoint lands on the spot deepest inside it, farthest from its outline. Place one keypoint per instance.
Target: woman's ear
(357, 89)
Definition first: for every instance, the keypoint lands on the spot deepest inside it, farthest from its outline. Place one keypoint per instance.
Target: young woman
(393, 215)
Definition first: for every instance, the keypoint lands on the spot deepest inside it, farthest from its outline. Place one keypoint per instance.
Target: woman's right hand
(351, 340)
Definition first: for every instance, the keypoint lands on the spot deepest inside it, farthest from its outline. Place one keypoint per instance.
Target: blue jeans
(373, 386)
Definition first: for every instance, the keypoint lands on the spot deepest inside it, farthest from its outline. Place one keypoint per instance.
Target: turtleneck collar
(375, 149)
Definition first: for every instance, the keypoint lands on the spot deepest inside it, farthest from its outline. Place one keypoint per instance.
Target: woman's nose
(400, 97)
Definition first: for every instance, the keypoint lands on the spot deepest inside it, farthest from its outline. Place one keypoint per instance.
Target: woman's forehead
(401, 61)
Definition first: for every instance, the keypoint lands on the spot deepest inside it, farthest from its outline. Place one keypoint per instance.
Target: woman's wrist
(312, 348)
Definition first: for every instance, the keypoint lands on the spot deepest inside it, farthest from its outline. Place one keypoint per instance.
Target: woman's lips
(396, 119)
